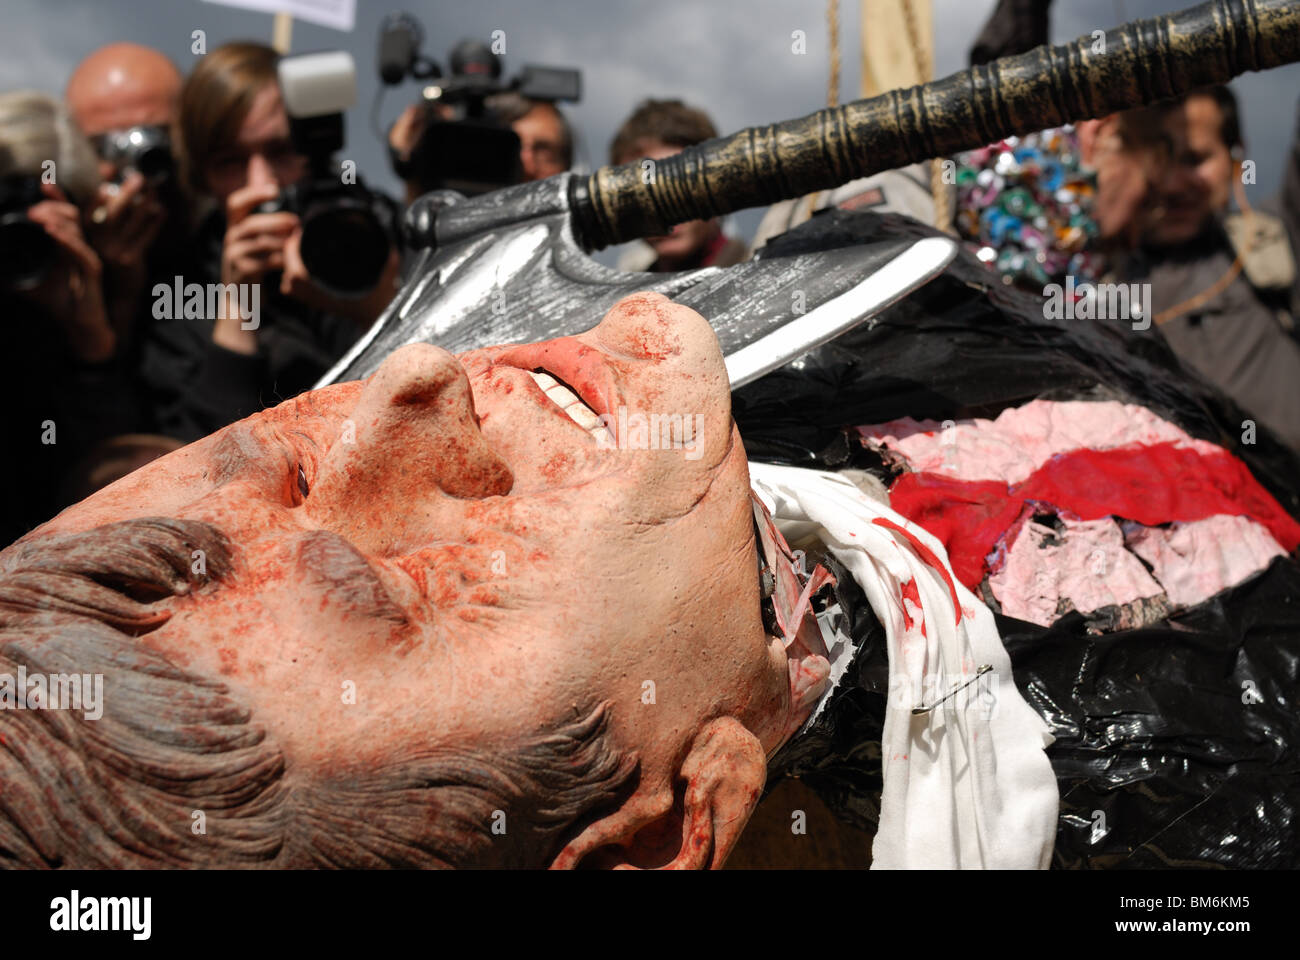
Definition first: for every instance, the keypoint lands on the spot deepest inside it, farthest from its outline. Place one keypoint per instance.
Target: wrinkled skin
(479, 566)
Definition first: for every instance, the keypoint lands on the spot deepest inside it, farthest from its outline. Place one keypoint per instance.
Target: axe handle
(1141, 62)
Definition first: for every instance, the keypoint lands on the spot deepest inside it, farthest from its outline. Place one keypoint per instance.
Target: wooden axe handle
(1140, 63)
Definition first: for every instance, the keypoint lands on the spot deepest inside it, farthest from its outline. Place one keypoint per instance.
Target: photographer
(474, 129)
(123, 97)
(545, 138)
(65, 390)
(236, 152)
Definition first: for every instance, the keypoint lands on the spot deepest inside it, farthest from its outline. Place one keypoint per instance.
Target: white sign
(339, 14)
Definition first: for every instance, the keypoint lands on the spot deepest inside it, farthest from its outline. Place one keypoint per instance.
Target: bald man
(115, 88)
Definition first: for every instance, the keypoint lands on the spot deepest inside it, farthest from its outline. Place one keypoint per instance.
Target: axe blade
(507, 268)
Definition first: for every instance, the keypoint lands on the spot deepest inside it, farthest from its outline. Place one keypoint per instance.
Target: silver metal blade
(911, 269)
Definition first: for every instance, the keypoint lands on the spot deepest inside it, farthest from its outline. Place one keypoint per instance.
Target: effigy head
(430, 618)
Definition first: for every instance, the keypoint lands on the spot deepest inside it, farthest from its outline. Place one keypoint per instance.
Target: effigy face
(440, 559)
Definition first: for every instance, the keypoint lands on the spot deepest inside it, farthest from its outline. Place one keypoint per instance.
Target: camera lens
(344, 247)
(154, 163)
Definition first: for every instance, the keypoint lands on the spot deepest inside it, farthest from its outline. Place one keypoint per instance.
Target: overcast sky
(731, 57)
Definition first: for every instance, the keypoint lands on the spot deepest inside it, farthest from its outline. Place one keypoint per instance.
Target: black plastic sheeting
(1177, 744)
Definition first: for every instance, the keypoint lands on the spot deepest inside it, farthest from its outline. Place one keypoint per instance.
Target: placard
(339, 14)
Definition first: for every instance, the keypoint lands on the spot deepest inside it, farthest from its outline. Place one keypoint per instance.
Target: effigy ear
(724, 772)
(691, 829)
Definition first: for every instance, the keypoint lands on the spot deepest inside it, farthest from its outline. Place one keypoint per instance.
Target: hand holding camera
(254, 245)
(263, 237)
(461, 136)
(254, 242)
(124, 223)
(70, 287)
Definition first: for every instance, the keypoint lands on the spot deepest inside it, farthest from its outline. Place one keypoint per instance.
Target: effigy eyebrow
(330, 561)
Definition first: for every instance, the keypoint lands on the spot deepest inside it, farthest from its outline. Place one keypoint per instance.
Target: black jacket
(196, 386)
(56, 410)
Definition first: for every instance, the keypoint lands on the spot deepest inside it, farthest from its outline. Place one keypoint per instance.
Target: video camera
(26, 250)
(348, 230)
(473, 151)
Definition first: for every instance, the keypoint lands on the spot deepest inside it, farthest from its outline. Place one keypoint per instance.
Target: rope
(1209, 293)
(925, 70)
(920, 56)
(833, 21)
(832, 95)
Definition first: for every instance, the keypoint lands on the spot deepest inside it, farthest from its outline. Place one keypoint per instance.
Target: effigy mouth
(570, 403)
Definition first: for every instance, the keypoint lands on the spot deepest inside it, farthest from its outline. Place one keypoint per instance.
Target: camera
(463, 145)
(347, 233)
(145, 149)
(348, 230)
(26, 250)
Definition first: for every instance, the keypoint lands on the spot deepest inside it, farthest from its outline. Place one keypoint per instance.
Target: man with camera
(474, 130)
(656, 130)
(123, 97)
(545, 141)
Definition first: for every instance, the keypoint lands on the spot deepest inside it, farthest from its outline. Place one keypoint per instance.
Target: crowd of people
(107, 381)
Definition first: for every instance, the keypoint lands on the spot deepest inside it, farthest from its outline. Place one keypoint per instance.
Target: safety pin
(978, 673)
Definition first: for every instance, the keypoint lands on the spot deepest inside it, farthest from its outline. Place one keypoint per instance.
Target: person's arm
(1015, 26)
(254, 245)
(194, 385)
(72, 290)
(1122, 181)
(228, 369)
(121, 229)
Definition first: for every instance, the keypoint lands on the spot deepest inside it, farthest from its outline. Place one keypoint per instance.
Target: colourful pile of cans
(1024, 205)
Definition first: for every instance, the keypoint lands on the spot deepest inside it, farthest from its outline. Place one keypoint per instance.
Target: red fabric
(713, 249)
(1156, 484)
(910, 592)
(926, 554)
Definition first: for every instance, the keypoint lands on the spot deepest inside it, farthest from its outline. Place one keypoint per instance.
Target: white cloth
(967, 785)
